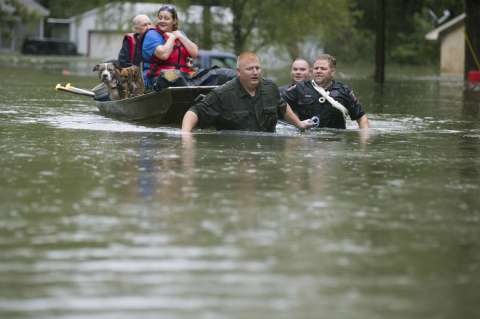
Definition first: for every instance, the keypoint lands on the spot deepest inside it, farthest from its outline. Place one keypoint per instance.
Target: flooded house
(98, 33)
(451, 36)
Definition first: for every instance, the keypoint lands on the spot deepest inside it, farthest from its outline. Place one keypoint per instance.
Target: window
(224, 62)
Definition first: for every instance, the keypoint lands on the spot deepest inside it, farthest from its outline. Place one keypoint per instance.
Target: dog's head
(106, 71)
(131, 73)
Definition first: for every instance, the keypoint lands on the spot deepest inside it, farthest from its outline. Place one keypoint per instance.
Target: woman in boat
(165, 47)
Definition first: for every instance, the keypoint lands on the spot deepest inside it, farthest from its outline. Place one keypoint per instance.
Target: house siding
(452, 54)
(104, 44)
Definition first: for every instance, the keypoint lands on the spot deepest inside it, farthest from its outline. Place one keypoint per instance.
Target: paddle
(71, 89)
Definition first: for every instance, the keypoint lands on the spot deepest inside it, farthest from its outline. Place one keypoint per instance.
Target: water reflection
(471, 103)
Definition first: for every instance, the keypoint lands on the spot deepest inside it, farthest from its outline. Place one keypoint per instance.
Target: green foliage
(15, 12)
(412, 48)
(407, 23)
(344, 28)
(286, 24)
(291, 24)
(7, 20)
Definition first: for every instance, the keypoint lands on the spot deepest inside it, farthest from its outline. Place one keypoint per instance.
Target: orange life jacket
(177, 59)
(132, 42)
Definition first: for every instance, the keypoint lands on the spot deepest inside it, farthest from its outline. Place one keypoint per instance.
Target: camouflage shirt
(230, 107)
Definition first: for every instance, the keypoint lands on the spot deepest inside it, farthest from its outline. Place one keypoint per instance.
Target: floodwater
(107, 219)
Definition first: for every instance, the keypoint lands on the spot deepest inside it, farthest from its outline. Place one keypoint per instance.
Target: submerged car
(49, 46)
(207, 59)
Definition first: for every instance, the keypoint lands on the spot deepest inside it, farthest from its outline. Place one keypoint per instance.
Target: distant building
(98, 33)
(14, 31)
(452, 44)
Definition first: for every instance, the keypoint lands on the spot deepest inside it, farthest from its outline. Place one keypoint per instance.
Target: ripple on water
(96, 122)
(388, 123)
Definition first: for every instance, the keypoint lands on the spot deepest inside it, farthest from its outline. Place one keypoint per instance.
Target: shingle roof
(435, 33)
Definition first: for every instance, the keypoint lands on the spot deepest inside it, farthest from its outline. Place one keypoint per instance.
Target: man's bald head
(246, 57)
(300, 70)
(249, 71)
(141, 23)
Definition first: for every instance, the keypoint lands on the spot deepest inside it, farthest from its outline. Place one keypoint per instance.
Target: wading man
(328, 99)
(299, 71)
(248, 103)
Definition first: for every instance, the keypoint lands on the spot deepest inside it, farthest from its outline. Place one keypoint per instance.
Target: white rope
(326, 96)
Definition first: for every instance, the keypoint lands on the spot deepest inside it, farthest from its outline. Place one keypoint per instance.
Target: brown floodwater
(107, 219)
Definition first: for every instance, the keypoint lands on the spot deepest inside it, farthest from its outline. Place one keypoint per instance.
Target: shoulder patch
(353, 95)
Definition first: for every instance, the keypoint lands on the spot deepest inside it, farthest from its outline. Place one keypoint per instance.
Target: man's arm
(291, 97)
(363, 122)
(124, 54)
(356, 110)
(190, 120)
(292, 118)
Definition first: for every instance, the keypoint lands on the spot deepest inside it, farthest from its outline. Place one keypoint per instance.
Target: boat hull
(165, 107)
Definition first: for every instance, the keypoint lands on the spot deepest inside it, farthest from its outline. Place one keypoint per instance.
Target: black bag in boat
(212, 76)
(101, 92)
(205, 77)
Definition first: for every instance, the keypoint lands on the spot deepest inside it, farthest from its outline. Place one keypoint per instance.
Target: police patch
(353, 95)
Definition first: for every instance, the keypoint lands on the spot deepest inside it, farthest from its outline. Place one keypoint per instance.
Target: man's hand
(291, 117)
(190, 120)
(306, 124)
(363, 122)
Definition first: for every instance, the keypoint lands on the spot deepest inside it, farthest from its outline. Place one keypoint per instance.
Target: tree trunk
(238, 41)
(207, 41)
(293, 50)
(472, 39)
(380, 43)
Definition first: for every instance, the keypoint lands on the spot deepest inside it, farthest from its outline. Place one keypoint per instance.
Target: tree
(291, 24)
(407, 22)
(472, 39)
(10, 12)
(287, 24)
(380, 43)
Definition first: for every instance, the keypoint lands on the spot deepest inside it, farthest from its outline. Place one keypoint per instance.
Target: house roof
(437, 32)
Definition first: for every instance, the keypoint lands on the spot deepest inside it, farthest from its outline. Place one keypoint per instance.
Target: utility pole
(207, 40)
(472, 36)
(380, 43)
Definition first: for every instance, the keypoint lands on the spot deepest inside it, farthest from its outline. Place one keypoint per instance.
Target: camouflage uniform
(230, 107)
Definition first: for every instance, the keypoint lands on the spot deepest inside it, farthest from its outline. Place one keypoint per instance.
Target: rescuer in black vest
(323, 97)
(299, 71)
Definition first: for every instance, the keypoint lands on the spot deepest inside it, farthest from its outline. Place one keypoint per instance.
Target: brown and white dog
(131, 81)
(122, 83)
(108, 73)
